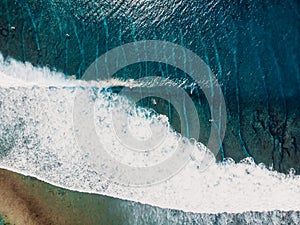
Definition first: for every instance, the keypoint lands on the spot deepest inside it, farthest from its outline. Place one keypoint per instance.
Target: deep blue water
(252, 47)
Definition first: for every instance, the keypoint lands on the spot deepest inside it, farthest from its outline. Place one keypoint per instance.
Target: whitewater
(38, 139)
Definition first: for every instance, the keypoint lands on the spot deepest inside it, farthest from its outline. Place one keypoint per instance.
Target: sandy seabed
(25, 200)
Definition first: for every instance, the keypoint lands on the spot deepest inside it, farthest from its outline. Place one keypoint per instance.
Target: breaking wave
(37, 138)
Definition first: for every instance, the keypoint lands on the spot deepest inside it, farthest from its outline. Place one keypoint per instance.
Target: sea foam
(37, 138)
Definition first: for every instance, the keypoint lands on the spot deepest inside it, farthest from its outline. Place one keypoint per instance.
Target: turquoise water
(2, 221)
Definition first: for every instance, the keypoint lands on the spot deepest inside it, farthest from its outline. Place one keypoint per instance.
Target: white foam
(37, 139)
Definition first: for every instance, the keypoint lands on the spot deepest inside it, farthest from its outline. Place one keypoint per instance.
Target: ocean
(186, 112)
